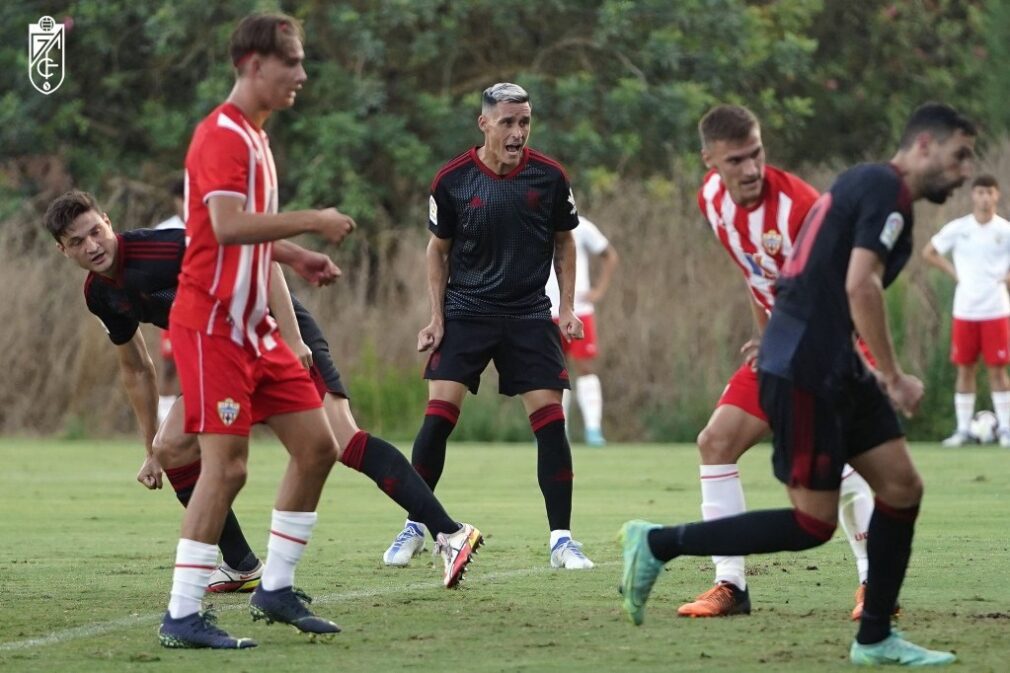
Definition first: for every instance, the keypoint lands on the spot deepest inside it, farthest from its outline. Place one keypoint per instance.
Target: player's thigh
(306, 435)
(534, 400)
(453, 392)
(223, 457)
(995, 342)
(965, 341)
(529, 358)
(822, 505)
(464, 353)
(808, 449)
(217, 380)
(730, 431)
(891, 473)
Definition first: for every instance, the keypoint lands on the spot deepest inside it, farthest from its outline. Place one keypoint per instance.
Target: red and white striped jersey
(223, 288)
(758, 238)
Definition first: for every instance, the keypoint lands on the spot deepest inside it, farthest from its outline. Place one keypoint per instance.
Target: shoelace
(719, 595)
(405, 534)
(208, 623)
(575, 549)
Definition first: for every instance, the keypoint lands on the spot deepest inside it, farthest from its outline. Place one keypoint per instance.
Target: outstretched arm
(932, 257)
(136, 370)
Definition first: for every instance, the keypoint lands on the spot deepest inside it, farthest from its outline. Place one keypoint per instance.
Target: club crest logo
(227, 410)
(771, 241)
(46, 64)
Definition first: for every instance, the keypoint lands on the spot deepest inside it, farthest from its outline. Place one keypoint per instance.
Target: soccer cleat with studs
(457, 551)
(198, 630)
(722, 600)
(287, 606)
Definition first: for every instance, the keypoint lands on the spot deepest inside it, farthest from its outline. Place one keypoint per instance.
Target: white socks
(964, 409)
(194, 563)
(1001, 405)
(590, 395)
(558, 534)
(855, 507)
(722, 496)
(289, 534)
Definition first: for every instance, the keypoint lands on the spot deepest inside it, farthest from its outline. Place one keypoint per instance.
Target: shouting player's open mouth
(514, 148)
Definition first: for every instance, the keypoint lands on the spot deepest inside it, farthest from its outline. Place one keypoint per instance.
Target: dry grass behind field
(670, 327)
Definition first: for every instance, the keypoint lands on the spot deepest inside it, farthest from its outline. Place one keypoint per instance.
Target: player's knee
(173, 450)
(717, 447)
(322, 454)
(817, 523)
(232, 475)
(903, 491)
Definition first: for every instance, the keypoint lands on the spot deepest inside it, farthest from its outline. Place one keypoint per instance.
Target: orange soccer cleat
(857, 612)
(722, 600)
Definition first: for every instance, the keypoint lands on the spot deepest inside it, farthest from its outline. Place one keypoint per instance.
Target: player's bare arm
(608, 264)
(315, 267)
(865, 290)
(136, 370)
(437, 258)
(933, 257)
(750, 349)
(234, 226)
(283, 312)
(564, 268)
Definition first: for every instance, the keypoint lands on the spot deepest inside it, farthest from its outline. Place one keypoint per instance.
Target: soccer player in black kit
(132, 280)
(498, 214)
(824, 405)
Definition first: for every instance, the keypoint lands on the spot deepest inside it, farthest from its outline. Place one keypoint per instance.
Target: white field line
(133, 621)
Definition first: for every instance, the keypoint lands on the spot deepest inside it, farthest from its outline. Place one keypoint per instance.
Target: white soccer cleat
(567, 554)
(225, 579)
(959, 438)
(1004, 438)
(457, 551)
(408, 544)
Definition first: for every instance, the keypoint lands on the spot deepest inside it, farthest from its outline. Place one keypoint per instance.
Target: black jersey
(503, 229)
(808, 338)
(147, 272)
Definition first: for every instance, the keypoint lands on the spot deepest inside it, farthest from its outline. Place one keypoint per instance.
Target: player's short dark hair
(62, 212)
(266, 33)
(984, 180)
(937, 118)
(502, 92)
(732, 123)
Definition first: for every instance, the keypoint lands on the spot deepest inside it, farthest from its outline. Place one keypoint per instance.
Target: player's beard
(936, 190)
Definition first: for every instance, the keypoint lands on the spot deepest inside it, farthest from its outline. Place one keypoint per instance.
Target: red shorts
(990, 337)
(166, 346)
(742, 392)
(584, 348)
(228, 388)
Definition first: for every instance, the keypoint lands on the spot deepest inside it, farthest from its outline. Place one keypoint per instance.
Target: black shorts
(323, 372)
(815, 435)
(526, 353)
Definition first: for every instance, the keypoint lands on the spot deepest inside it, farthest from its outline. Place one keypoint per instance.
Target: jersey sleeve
(119, 327)
(565, 216)
(223, 166)
(804, 196)
(441, 214)
(944, 239)
(593, 239)
(879, 221)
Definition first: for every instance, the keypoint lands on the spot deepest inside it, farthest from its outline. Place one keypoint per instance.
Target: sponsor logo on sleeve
(892, 230)
(571, 200)
(432, 210)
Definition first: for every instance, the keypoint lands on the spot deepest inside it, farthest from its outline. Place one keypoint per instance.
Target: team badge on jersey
(771, 241)
(892, 229)
(432, 210)
(571, 200)
(227, 410)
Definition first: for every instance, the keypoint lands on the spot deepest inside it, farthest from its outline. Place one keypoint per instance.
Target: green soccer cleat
(640, 567)
(896, 651)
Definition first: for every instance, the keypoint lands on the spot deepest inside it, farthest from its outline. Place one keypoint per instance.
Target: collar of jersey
(487, 171)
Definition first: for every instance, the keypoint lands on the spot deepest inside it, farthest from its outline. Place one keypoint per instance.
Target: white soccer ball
(983, 426)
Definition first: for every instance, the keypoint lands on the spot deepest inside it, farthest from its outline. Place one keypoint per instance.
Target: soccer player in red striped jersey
(755, 210)
(233, 369)
(823, 403)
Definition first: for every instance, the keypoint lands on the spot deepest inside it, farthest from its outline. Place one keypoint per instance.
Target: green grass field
(86, 555)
